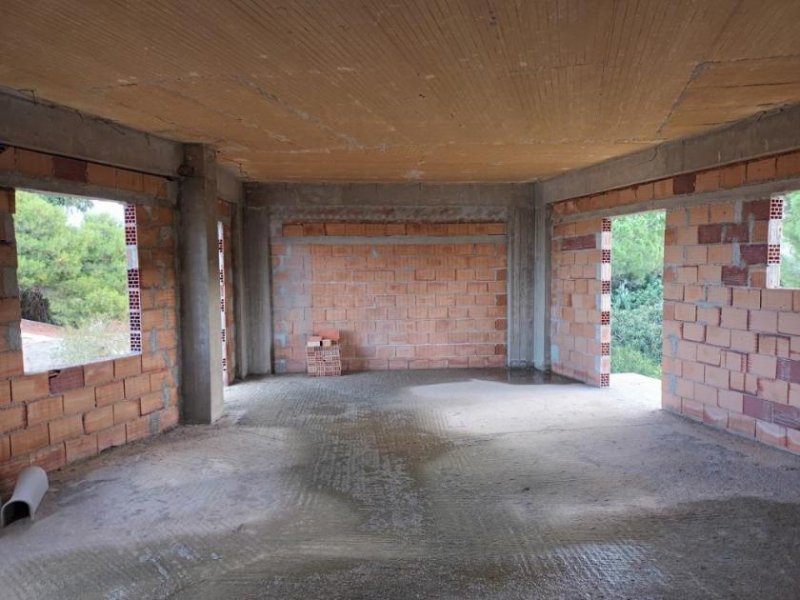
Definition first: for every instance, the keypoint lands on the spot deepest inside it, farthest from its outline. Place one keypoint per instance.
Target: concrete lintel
(391, 240)
(54, 129)
(200, 327)
(391, 194)
(62, 186)
(763, 134)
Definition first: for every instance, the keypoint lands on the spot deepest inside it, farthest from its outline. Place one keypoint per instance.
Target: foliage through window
(787, 231)
(73, 279)
(637, 296)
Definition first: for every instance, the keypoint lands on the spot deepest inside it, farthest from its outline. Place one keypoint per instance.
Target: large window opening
(637, 293)
(78, 279)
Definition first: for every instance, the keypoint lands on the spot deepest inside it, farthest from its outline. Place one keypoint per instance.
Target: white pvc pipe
(31, 487)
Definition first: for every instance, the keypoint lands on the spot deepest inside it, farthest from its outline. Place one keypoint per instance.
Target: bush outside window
(73, 280)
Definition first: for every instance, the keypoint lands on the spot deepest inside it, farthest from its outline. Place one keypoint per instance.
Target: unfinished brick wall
(581, 300)
(731, 346)
(399, 304)
(53, 418)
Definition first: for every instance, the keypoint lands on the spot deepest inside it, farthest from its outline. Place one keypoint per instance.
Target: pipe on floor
(28, 493)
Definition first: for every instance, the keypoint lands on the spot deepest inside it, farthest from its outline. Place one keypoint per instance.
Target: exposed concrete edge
(229, 187)
(377, 194)
(763, 134)
(753, 191)
(47, 127)
(63, 186)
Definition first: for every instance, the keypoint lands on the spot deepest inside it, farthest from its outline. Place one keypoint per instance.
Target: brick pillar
(603, 362)
(201, 357)
(581, 300)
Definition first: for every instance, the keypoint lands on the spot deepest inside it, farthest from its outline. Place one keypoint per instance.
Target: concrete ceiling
(438, 90)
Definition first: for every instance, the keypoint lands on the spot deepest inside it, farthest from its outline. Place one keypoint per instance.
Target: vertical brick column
(581, 300)
(774, 234)
(134, 292)
(603, 362)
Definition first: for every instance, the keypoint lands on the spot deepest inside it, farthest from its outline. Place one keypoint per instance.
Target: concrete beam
(543, 235)
(257, 269)
(766, 133)
(390, 194)
(201, 330)
(229, 186)
(65, 132)
(14, 179)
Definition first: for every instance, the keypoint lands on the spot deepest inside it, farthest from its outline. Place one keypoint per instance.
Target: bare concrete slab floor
(434, 484)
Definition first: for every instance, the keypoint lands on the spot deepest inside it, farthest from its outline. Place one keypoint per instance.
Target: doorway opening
(637, 294)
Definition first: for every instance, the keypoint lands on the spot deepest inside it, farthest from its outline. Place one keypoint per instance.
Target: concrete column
(237, 228)
(520, 286)
(201, 351)
(543, 235)
(257, 269)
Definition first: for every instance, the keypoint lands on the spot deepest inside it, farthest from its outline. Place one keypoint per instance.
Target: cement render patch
(426, 484)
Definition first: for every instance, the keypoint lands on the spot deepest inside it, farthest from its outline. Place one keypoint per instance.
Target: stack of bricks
(731, 344)
(428, 302)
(51, 419)
(581, 301)
(323, 356)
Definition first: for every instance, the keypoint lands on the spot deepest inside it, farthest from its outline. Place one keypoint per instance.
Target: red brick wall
(51, 421)
(425, 304)
(581, 300)
(731, 346)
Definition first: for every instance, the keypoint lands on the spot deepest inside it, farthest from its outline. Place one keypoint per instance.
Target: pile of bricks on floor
(323, 355)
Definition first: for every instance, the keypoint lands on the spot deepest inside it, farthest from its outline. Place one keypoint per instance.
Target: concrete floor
(428, 484)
